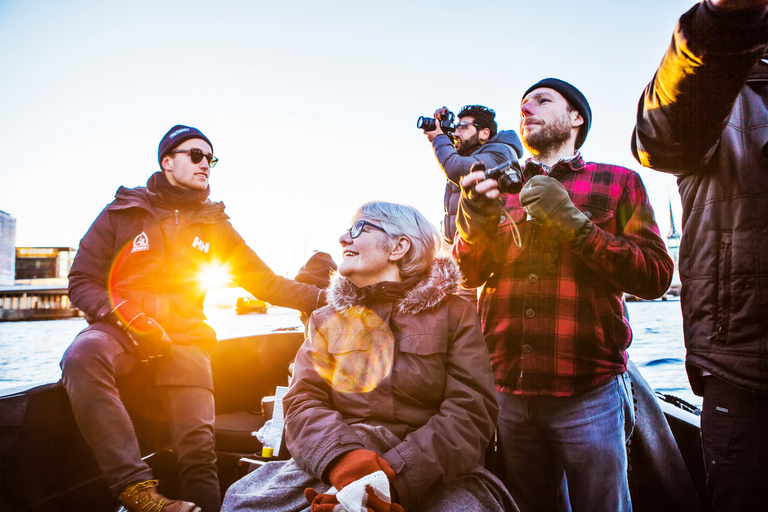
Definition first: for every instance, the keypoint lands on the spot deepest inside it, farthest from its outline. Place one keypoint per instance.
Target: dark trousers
(734, 429)
(90, 368)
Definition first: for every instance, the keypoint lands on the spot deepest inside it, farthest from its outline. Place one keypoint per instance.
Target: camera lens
(508, 177)
(510, 183)
(426, 123)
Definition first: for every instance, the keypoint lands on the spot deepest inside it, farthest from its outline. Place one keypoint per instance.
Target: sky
(311, 106)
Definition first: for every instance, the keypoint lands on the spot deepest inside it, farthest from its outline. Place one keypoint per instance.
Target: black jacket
(704, 118)
(505, 146)
(155, 257)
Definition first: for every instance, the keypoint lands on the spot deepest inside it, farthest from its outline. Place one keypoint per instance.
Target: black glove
(479, 199)
(478, 216)
(317, 270)
(149, 339)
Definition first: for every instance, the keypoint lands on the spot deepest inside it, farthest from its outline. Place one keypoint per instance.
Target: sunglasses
(197, 156)
(358, 226)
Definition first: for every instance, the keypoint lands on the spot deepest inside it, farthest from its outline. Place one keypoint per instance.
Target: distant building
(39, 291)
(49, 263)
(7, 246)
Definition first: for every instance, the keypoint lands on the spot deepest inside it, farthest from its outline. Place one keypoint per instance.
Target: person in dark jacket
(316, 271)
(392, 403)
(552, 306)
(139, 276)
(704, 118)
(476, 139)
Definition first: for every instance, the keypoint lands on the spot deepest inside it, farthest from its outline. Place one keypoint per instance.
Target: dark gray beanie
(574, 97)
(176, 136)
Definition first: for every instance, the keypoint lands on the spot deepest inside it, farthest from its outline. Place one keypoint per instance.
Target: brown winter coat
(417, 365)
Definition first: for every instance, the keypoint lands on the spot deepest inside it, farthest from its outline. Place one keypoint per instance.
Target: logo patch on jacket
(141, 242)
(200, 245)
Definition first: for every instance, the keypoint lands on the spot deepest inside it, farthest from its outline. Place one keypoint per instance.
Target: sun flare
(215, 276)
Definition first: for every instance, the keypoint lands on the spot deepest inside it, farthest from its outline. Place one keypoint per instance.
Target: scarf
(386, 291)
(165, 195)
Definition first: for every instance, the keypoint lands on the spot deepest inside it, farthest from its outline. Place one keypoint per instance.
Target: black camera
(446, 124)
(507, 175)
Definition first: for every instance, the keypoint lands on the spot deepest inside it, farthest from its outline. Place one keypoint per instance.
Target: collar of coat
(442, 280)
(575, 164)
(139, 197)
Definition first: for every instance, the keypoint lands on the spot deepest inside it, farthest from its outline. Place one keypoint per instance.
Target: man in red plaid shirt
(552, 309)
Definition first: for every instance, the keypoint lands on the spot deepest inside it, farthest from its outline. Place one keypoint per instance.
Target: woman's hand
(322, 502)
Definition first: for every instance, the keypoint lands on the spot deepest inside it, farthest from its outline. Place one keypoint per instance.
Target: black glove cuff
(477, 203)
(477, 221)
(123, 314)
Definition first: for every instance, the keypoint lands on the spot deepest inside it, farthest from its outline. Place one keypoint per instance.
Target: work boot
(143, 497)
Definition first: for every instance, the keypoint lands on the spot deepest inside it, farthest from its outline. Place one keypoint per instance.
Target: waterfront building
(39, 291)
(49, 263)
(7, 246)
(36, 302)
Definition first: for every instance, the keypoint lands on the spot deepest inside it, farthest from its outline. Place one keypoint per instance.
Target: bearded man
(476, 139)
(551, 307)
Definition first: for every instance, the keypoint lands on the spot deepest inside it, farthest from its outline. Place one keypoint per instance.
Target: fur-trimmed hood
(442, 280)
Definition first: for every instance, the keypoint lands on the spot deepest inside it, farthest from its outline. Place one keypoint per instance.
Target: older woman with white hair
(392, 403)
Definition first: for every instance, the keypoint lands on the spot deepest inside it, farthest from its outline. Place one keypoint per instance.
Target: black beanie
(574, 97)
(176, 136)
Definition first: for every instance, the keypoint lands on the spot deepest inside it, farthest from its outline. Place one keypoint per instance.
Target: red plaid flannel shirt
(552, 312)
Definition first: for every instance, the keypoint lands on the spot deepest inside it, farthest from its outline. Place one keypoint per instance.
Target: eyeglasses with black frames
(358, 226)
(197, 156)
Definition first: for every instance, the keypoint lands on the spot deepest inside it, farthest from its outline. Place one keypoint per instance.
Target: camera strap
(515, 232)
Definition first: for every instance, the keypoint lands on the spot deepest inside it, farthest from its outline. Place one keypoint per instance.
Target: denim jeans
(734, 432)
(90, 368)
(568, 453)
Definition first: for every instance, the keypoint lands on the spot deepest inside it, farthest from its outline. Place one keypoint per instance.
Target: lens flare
(129, 275)
(214, 276)
(359, 354)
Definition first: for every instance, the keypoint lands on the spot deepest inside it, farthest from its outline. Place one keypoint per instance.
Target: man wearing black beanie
(552, 305)
(137, 276)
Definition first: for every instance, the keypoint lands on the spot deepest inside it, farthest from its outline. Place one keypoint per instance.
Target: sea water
(30, 351)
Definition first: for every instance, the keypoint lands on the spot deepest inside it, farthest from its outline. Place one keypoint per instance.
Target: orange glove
(321, 502)
(376, 504)
(355, 465)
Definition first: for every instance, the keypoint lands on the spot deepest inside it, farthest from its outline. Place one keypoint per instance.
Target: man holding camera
(474, 139)
(552, 305)
(138, 276)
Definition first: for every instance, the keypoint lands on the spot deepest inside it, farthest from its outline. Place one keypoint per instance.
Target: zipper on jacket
(716, 333)
(177, 217)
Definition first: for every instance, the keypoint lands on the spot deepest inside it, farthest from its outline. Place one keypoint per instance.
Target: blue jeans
(568, 453)
(90, 368)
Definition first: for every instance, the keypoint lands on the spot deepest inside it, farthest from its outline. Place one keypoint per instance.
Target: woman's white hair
(403, 220)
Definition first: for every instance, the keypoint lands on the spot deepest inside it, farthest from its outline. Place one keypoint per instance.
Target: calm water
(30, 351)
